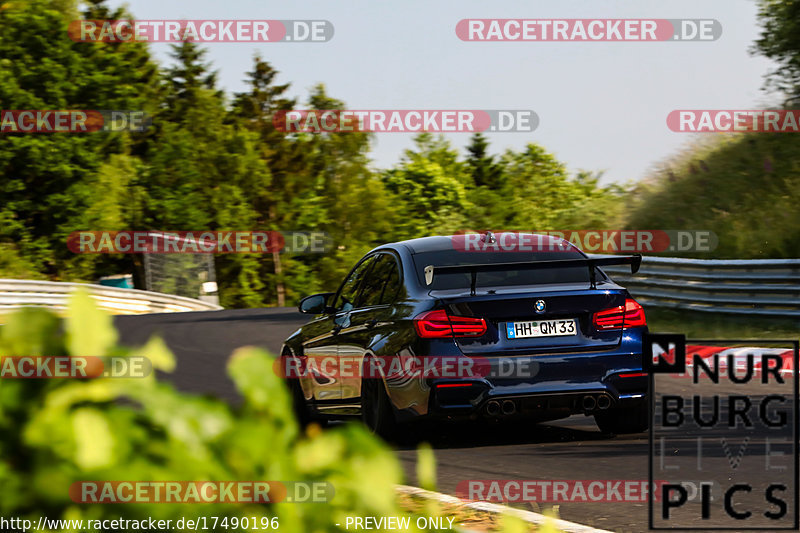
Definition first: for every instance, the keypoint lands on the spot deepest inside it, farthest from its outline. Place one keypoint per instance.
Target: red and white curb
(738, 357)
(486, 507)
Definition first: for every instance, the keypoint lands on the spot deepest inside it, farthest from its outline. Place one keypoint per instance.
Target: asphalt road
(202, 341)
(571, 449)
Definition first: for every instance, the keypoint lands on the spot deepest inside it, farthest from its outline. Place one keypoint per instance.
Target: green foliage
(483, 168)
(431, 188)
(50, 182)
(745, 188)
(780, 41)
(207, 164)
(540, 195)
(532, 191)
(56, 432)
(426, 467)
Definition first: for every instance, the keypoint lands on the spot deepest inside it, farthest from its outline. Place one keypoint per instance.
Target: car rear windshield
(508, 277)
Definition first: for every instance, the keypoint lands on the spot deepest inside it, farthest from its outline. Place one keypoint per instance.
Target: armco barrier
(769, 287)
(15, 293)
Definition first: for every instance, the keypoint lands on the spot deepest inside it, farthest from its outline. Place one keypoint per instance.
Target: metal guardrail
(15, 293)
(769, 287)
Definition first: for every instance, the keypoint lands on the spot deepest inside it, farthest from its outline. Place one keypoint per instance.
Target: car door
(320, 349)
(316, 349)
(367, 321)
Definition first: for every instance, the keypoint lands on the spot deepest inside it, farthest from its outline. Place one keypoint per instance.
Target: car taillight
(631, 315)
(438, 324)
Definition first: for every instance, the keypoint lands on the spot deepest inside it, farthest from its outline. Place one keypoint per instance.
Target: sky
(602, 106)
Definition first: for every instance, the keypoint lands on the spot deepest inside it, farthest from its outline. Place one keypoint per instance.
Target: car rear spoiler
(591, 263)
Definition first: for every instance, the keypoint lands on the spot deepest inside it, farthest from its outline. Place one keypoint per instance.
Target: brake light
(631, 315)
(452, 385)
(438, 324)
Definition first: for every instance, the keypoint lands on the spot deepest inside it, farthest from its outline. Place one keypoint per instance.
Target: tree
(537, 189)
(780, 41)
(255, 110)
(431, 186)
(189, 80)
(336, 192)
(539, 194)
(49, 182)
(483, 168)
(488, 180)
(202, 169)
(207, 165)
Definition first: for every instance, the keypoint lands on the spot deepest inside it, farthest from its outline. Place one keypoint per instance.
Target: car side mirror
(314, 304)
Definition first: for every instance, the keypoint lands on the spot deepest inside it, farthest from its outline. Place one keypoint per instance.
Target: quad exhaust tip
(589, 403)
(496, 408)
(603, 401)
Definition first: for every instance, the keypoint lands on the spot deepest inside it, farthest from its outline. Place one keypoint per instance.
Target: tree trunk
(276, 258)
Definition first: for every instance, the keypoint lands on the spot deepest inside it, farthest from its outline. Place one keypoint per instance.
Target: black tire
(376, 410)
(621, 421)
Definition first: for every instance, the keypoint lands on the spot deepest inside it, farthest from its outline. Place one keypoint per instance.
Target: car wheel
(621, 421)
(376, 410)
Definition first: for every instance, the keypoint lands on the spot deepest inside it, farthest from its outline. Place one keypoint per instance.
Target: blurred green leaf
(90, 331)
(94, 442)
(426, 467)
(31, 332)
(158, 354)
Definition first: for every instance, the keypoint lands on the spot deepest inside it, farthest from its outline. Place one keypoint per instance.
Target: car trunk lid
(512, 314)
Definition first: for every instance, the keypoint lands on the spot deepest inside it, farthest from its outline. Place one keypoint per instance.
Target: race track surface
(572, 449)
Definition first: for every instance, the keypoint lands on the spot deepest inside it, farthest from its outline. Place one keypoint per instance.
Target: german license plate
(541, 328)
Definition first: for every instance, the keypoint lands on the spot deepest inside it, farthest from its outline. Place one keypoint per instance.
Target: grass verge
(700, 325)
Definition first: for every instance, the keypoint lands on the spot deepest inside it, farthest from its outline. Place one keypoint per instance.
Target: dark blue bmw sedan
(499, 326)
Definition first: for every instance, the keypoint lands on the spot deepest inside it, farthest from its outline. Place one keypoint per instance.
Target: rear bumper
(551, 386)
(481, 399)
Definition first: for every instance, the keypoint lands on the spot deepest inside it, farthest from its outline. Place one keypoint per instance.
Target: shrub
(54, 432)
